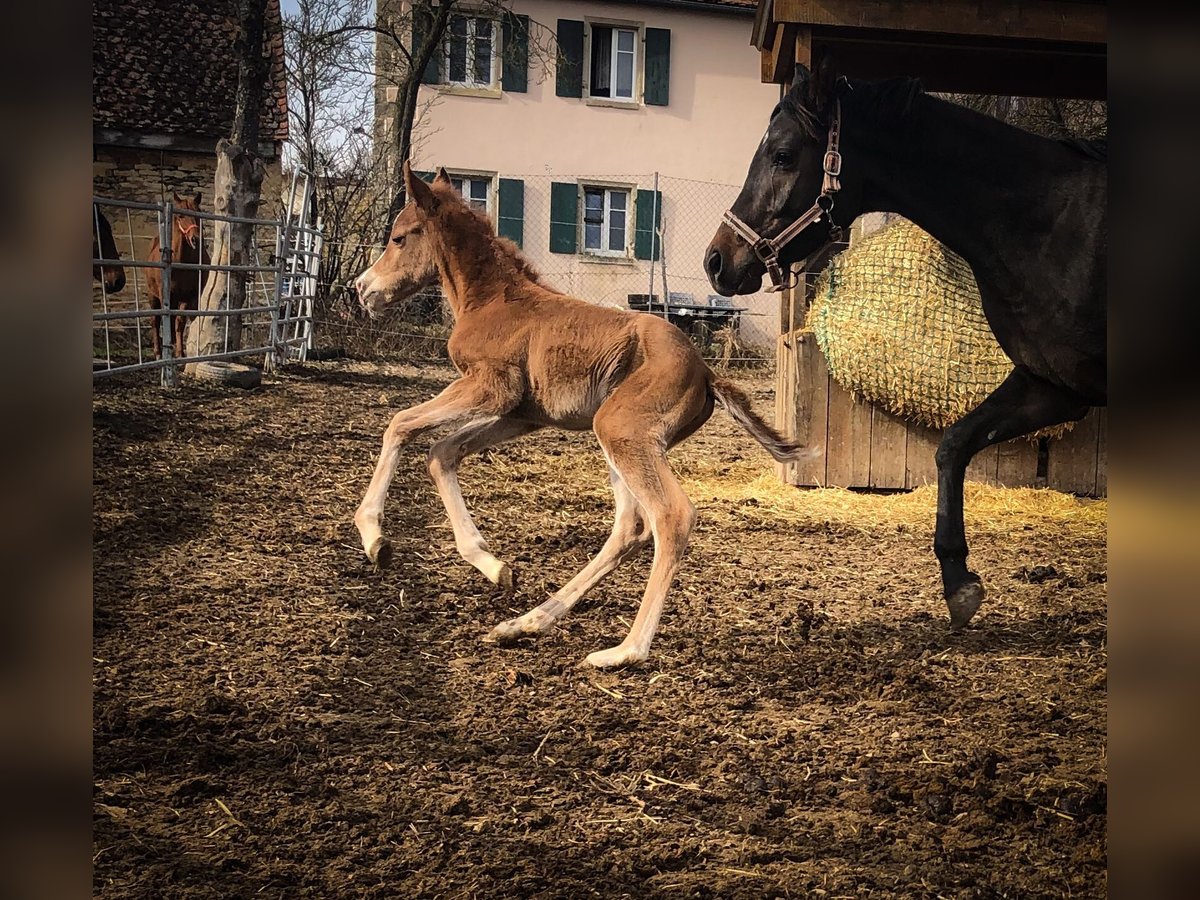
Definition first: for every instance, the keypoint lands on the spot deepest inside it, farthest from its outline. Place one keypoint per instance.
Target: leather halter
(768, 249)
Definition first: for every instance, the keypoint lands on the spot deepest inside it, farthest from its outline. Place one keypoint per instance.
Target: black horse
(104, 246)
(1027, 213)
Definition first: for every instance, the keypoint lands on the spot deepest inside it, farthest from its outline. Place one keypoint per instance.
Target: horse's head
(786, 197)
(407, 263)
(105, 247)
(188, 226)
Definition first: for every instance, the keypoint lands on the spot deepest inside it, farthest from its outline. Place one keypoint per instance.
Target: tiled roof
(164, 67)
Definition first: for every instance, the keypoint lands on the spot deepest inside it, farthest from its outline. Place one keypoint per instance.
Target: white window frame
(606, 218)
(477, 175)
(493, 69)
(639, 37)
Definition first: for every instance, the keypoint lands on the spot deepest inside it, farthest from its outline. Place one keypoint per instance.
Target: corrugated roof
(164, 67)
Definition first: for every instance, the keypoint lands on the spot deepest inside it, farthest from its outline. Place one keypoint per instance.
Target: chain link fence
(618, 240)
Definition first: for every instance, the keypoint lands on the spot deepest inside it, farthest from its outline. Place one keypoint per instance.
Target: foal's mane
(505, 255)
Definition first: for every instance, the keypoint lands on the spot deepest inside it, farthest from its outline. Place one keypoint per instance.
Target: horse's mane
(1096, 149)
(505, 254)
(890, 101)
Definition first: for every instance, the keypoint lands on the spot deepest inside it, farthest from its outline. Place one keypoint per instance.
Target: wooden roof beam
(1050, 20)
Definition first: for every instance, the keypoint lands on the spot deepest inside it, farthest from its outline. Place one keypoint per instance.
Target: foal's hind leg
(629, 535)
(444, 459)
(642, 463)
(1022, 404)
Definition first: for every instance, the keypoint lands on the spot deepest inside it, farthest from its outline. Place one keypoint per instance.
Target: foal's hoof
(380, 553)
(964, 603)
(619, 655)
(505, 580)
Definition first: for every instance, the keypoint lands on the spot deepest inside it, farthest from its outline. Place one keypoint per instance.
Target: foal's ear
(197, 199)
(818, 92)
(418, 191)
(441, 177)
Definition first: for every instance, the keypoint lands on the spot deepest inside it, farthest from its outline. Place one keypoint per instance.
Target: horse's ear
(197, 199)
(800, 76)
(418, 191)
(175, 198)
(818, 93)
(441, 177)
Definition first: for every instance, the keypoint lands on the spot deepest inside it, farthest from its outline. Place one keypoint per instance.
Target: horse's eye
(782, 158)
(398, 240)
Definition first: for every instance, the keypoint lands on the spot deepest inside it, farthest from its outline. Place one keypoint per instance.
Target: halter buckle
(833, 163)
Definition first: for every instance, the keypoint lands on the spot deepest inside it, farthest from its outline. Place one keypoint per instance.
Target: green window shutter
(515, 76)
(568, 80)
(658, 66)
(421, 26)
(647, 208)
(564, 217)
(510, 221)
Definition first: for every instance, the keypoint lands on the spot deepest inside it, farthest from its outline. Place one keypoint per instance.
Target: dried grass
(900, 321)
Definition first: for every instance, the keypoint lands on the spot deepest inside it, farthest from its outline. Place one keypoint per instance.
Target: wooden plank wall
(863, 446)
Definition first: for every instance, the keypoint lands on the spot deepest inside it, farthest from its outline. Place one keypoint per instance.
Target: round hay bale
(900, 321)
(222, 372)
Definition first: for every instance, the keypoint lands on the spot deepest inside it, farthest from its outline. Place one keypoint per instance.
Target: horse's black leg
(1023, 403)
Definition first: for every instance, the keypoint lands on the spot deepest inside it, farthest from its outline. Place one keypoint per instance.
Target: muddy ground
(273, 718)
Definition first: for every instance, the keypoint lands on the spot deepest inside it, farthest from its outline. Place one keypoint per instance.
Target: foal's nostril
(713, 263)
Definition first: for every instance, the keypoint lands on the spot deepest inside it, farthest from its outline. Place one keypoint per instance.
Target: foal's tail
(737, 404)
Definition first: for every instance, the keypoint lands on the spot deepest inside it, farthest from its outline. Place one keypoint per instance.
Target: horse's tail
(737, 404)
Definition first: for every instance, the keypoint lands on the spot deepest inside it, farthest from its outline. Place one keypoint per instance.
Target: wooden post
(238, 189)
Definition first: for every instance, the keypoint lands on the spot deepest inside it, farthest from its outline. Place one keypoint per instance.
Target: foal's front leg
(466, 400)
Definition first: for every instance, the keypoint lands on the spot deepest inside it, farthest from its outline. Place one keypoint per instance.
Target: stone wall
(150, 176)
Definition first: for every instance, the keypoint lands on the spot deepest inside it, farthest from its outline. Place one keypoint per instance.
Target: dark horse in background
(111, 275)
(186, 247)
(1027, 213)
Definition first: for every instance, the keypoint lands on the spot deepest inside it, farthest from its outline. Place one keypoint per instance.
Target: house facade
(604, 138)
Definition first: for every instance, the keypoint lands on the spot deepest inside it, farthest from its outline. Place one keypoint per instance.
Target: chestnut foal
(531, 357)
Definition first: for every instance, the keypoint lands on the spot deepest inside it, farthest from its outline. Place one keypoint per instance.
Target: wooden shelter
(1036, 48)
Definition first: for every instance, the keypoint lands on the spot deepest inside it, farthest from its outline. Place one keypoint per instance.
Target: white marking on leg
(627, 537)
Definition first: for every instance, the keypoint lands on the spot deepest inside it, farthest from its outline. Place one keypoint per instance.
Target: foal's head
(784, 180)
(188, 227)
(407, 263)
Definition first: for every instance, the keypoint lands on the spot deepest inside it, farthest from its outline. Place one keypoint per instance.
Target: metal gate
(277, 317)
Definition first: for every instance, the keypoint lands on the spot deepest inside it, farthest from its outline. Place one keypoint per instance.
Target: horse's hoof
(613, 657)
(504, 633)
(964, 603)
(380, 553)
(505, 579)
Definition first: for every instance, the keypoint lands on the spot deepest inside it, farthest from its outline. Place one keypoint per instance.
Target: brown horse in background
(186, 284)
(531, 357)
(104, 246)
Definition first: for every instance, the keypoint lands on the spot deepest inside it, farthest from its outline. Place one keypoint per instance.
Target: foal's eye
(399, 240)
(782, 158)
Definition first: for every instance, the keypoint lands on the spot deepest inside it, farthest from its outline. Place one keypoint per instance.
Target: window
(471, 56)
(606, 221)
(613, 62)
(476, 190)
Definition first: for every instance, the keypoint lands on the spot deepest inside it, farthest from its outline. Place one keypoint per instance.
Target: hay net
(900, 321)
